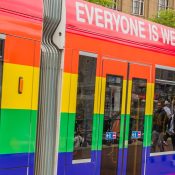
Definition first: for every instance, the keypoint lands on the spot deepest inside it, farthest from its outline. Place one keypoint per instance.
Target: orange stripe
(21, 51)
(114, 50)
(140, 71)
(72, 60)
(115, 68)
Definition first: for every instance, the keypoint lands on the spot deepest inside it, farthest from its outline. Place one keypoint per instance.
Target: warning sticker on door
(111, 135)
(136, 134)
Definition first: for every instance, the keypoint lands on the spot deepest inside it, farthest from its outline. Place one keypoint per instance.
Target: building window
(138, 7)
(117, 5)
(163, 5)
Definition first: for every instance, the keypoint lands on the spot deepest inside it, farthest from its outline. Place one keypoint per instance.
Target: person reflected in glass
(160, 121)
(170, 125)
(78, 140)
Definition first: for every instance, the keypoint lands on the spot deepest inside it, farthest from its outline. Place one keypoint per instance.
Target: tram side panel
(18, 104)
(164, 163)
(21, 29)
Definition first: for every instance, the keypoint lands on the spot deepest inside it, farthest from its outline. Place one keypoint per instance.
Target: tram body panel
(79, 40)
(19, 86)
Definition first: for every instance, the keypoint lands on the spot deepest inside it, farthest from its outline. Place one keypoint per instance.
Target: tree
(165, 17)
(106, 3)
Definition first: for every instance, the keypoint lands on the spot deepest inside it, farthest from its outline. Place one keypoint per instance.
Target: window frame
(138, 10)
(164, 5)
(95, 56)
(171, 83)
(2, 37)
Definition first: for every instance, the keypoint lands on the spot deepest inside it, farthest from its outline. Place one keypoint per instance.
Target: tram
(116, 71)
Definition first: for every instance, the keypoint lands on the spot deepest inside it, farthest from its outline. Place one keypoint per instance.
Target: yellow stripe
(149, 99)
(97, 95)
(69, 97)
(73, 93)
(65, 92)
(35, 88)
(123, 97)
(102, 99)
(10, 96)
(129, 97)
(103, 96)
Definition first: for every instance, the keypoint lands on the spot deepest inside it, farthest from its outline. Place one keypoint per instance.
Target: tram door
(125, 102)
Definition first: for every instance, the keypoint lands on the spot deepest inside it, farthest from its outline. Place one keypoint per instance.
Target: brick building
(144, 8)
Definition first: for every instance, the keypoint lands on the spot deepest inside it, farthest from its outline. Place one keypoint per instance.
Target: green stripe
(63, 132)
(67, 127)
(95, 132)
(100, 131)
(17, 131)
(147, 130)
(33, 131)
(127, 130)
(70, 137)
(121, 131)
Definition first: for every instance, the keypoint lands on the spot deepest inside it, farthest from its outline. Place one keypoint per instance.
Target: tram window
(1, 63)
(1, 49)
(84, 107)
(163, 134)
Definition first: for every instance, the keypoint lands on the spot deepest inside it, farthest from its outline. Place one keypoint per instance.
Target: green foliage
(165, 17)
(106, 3)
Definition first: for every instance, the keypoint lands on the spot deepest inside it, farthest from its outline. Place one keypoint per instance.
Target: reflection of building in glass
(84, 107)
(165, 93)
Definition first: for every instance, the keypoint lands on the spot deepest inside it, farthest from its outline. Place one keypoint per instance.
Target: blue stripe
(155, 165)
(119, 169)
(13, 160)
(15, 171)
(160, 165)
(65, 165)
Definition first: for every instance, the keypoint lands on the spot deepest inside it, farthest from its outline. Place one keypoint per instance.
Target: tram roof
(32, 8)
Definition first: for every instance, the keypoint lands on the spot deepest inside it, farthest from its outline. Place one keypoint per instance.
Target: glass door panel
(125, 103)
(137, 102)
(114, 76)
(136, 126)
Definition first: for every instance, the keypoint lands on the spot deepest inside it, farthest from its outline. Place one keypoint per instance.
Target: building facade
(144, 8)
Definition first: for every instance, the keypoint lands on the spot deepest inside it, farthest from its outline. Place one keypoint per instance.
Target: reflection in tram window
(136, 127)
(84, 108)
(111, 125)
(163, 132)
(1, 65)
(1, 48)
